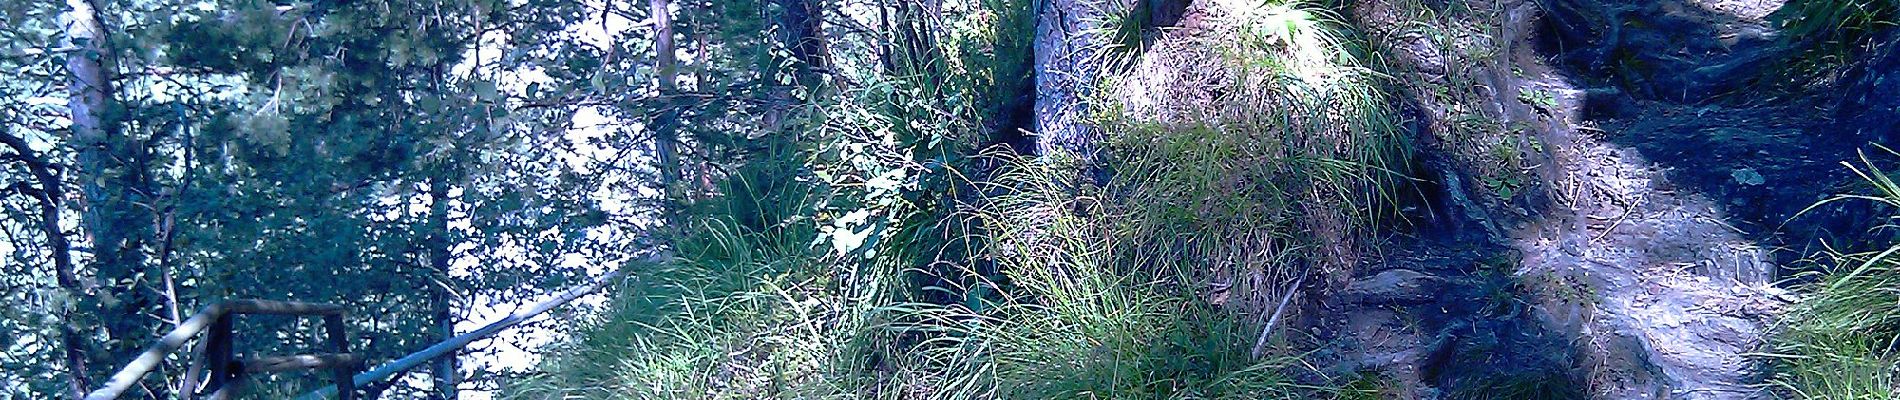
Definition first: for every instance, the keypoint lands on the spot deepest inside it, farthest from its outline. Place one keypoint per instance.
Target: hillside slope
(1412, 199)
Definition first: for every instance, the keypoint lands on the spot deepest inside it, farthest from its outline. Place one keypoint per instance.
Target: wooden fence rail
(226, 371)
(447, 347)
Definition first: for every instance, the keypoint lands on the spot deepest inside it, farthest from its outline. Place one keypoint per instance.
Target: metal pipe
(155, 355)
(439, 349)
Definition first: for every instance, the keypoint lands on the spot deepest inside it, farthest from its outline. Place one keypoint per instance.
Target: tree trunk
(802, 22)
(48, 194)
(112, 215)
(1064, 76)
(665, 136)
(445, 373)
(702, 168)
(801, 33)
(914, 49)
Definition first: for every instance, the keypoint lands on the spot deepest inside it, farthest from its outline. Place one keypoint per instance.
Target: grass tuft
(1840, 341)
(1824, 37)
(1271, 166)
(870, 266)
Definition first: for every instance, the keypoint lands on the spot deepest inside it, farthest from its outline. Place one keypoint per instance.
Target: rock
(1607, 103)
(1394, 286)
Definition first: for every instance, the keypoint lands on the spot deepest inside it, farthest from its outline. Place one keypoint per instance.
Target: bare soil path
(1646, 262)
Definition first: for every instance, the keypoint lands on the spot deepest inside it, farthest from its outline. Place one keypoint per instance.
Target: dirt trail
(1680, 295)
(1678, 202)
(1647, 253)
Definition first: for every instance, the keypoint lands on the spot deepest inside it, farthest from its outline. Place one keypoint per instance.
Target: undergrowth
(1085, 307)
(745, 310)
(1270, 169)
(1840, 341)
(1825, 37)
(1453, 54)
(886, 255)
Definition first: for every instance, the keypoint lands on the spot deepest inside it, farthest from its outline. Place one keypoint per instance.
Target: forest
(950, 199)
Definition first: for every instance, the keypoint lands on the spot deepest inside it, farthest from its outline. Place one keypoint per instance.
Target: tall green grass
(1153, 279)
(1085, 308)
(1078, 304)
(745, 310)
(1840, 340)
(1272, 166)
(1824, 37)
(865, 263)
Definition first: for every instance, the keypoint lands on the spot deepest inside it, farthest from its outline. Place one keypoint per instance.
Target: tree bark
(801, 34)
(802, 22)
(446, 372)
(1064, 77)
(665, 134)
(49, 193)
(112, 214)
(914, 50)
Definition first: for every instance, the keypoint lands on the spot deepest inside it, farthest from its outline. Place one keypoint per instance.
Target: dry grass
(1263, 159)
(1459, 67)
(1149, 281)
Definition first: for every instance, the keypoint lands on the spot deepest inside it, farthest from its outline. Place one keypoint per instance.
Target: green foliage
(1282, 24)
(1824, 36)
(1543, 100)
(745, 311)
(881, 270)
(34, 307)
(1084, 306)
(788, 284)
(1839, 341)
(358, 153)
(359, 170)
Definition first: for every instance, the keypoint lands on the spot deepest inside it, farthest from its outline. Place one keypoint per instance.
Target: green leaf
(485, 91)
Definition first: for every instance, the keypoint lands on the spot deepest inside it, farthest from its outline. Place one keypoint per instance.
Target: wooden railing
(226, 372)
(447, 348)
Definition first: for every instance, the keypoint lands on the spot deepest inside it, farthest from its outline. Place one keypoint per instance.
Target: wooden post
(346, 387)
(227, 374)
(437, 350)
(218, 353)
